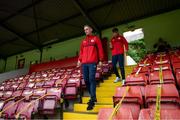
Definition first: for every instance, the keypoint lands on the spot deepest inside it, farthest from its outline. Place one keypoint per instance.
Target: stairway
(104, 95)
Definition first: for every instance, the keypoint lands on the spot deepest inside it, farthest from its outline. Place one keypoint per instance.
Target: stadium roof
(32, 24)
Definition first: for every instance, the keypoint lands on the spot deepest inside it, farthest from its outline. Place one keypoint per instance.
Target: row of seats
(153, 80)
(42, 92)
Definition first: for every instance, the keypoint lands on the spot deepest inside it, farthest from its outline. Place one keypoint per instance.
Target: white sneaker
(123, 81)
(117, 79)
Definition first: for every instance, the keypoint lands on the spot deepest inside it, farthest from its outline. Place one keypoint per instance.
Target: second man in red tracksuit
(118, 46)
(91, 52)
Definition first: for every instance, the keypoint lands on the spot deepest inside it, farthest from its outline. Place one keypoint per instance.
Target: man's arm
(80, 55)
(125, 43)
(100, 49)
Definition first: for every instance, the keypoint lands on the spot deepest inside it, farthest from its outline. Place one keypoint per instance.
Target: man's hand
(125, 50)
(110, 45)
(78, 64)
(100, 63)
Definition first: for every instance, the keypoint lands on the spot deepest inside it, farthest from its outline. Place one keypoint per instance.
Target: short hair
(87, 26)
(115, 29)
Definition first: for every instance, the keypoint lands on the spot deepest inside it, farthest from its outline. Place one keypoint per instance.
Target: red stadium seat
(30, 85)
(27, 93)
(39, 84)
(49, 83)
(134, 95)
(178, 77)
(123, 113)
(176, 66)
(25, 110)
(167, 77)
(133, 99)
(164, 67)
(169, 94)
(145, 69)
(7, 94)
(71, 91)
(17, 93)
(137, 79)
(140, 80)
(175, 58)
(149, 114)
(9, 109)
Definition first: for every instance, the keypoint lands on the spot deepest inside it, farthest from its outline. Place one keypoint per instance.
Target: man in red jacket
(91, 52)
(118, 46)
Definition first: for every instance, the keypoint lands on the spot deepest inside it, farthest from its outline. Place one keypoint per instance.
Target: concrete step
(78, 116)
(100, 100)
(83, 108)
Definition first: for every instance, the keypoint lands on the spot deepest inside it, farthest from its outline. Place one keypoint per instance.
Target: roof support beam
(36, 22)
(18, 35)
(21, 10)
(63, 20)
(86, 15)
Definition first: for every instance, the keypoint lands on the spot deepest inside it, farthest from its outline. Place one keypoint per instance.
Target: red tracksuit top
(117, 45)
(91, 50)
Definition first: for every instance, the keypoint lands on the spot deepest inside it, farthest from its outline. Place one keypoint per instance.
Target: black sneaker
(90, 105)
(91, 101)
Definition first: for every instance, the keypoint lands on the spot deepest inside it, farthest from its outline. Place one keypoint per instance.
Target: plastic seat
(7, 94)
(134, 95)
(176, 66)
(26, 110)
(175, 58)
(123, 113)
(9, 109)
(139, 79)
(133, 99)
(39, 84)
(71, 91)
(164, 67)
(145, 69)
(169, 94)
(49, 83)
(178, 77)
(149, 114)
(27, 93)
(17, 93)
(30, 85)
(167, 77)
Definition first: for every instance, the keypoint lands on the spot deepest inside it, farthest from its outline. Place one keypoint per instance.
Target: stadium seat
(122, 113)
(165, 114)
(133, 99)
(169, 94)
(167, 77)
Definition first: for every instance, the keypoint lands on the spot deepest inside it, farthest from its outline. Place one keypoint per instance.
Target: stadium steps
(83, 107)
(104, 93)
(79, 116)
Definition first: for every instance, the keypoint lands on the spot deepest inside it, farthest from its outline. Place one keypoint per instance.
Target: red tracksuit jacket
(91, 50)
(118, 44)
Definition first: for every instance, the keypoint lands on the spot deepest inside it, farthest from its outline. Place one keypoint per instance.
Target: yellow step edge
(109, 83)
(83, 108)
(105, 94)
(105, 88)
(106, 100)
(78, 116)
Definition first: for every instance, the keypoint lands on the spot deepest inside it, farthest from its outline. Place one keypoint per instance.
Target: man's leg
(85, 72)
(121, 65)
(114, 63)
(92, 80)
